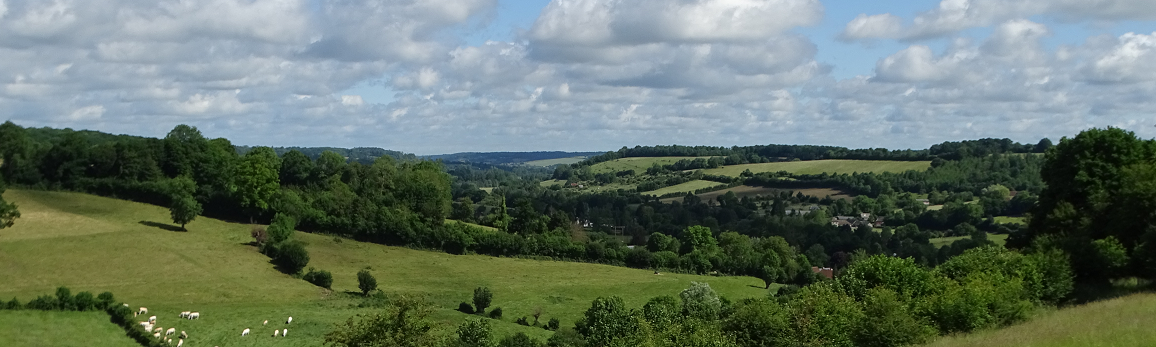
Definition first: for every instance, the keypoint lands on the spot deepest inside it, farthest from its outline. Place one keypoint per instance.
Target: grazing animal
(170, 331)
(125, 305)
(142, 310)
(159, 329)
(157, 335)
(185, 314)
(266, 322)
(245, 332)
(290, 320)
(183, 335)
(153, 319)
(276, 332)
(181, 342)
(195, 315)
(144, 324)
(285, 333)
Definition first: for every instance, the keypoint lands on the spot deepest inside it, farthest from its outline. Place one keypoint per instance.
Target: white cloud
(872, 27)
(1131, 60)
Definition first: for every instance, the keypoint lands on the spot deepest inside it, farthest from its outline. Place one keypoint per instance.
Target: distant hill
(364, 155)
(512, 158)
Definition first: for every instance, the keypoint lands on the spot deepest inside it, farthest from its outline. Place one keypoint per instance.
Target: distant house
(827, 272)
(840, 222)
(814, 207)
(924, 201)
(878, 222)
(864, 216)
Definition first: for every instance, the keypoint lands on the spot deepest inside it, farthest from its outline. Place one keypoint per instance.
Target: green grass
(999, 239)
(821, 166)
(1008, 219)
(638, 164)
(97, 244)
(557, 161)
(62, 329)
(688, 187)
(1120, 322)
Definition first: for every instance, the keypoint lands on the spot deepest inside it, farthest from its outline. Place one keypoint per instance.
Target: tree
(482, 298)
(463, 210)
(184, 148)
(758, 322)
(404, 323)
(184, 208)
(475, 333)
(520, 339)
(291, 257)
(8, 211)
(281, 228)
(608, 323)
(698, 238)
(296, 168)
(500, 218)
(701, 302)
(366, 282)
(258, 179)
(890, 322)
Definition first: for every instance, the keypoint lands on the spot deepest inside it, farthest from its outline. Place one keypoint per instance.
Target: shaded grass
(97, 244)
(812, 167)
(63, 329)
(999, 239)
(1125, 321)
(688, 187)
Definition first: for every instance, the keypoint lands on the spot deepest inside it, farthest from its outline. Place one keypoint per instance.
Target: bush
(566, 337)
(104, 301)
(523, 321)
(482, 298)
(291, 257)
(758, 322)
(43, 303)
(13, 305)
(699, 301)
(890, 322)
(475, 333)
(84, 301)
(366, 282)
(64, 299)
(320, 278)
(465, 307)
(520, 340)
(553, 324)
(281, 228)
(496, 313)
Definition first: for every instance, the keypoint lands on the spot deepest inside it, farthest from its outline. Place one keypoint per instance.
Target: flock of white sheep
(150, 326)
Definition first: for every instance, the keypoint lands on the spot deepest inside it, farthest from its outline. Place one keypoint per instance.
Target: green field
(811, 167)
(638, 164)
(557, 161)
(97, 244)
(60, 329)
(1011, 220)
(999, 239)
(688, 187)
(1120, 322)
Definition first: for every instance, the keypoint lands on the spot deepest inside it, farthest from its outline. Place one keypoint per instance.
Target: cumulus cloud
(872, 27)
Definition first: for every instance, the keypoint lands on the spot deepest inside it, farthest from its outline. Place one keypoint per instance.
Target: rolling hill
(97, 244)
(821, 166)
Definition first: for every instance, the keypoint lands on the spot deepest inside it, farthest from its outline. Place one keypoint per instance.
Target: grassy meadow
(743, 191)
(999, 239)
(60, 329)
(557, 161)
(1124, 321)
(688, 187)
(638, 164)
(97, 244)
(821, 166)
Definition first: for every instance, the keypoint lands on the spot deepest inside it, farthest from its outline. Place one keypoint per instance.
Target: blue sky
(441, 76)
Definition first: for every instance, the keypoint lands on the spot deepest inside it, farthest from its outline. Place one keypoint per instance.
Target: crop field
(638, 164)
(999, 239)
(96, 244)
(63, 329)
(741, 191)
(821, 166)
(1124, 321)
(688, 187)
(552, 162)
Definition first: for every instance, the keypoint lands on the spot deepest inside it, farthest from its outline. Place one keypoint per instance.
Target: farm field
(552, 162)
(1009, 219)
(688, 187)
(96, 244)
(821, 166)
(741, 191)
(638, 164)
(999, 239)
(1120, 322)
(63, 329)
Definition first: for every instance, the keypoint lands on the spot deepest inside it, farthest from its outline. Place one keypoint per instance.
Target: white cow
(183, 335)
(185, 314)
(194, 315)
(285, 333)
(170, 331)
(276, 332)
(142, 310)
(245, 332)
(181, 342)
(290, 320)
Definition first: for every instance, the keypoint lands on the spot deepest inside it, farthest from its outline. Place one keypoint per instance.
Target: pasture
(63, 329)
(97, 244)
(744, 191)
(688, 187)
(552, 162)
(638, 164)
(1124, 321)
(999, 239)
(832, 166)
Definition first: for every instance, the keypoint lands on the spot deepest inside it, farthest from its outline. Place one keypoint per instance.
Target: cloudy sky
(440, 76)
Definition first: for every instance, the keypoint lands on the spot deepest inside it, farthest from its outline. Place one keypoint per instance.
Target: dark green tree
(366, 282)
(404, 323)
(258, 179)
(482, 298)
(475, 333)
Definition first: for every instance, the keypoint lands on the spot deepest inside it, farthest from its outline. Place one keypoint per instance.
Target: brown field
(742, 191)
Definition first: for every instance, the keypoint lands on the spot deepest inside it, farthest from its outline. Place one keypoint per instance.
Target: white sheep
(290, 320)
(142, 310)
(185, 314)
(276, 332)
(144, 324)
(184, 335)
(181, 342)
(266, 322)
(170, 331)
(157, 335)
(194, 315)
(285, 333)
(125, 305)
(153, 319)
(245, 332)
(158, 329)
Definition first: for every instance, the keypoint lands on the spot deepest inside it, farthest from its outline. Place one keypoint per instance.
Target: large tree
(184, 208)
(258, 179)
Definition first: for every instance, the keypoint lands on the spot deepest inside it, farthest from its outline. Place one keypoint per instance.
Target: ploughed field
(97, 244)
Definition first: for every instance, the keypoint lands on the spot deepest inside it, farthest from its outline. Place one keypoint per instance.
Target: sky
(444, 76)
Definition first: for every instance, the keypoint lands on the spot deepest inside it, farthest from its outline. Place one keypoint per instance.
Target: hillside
(60, 329)
(831, 166)
(1125, 321)
(688, 187)
(638, 164)
(91, 243)
(515, 158)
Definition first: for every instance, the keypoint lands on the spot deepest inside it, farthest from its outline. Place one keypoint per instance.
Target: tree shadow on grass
(164, 226)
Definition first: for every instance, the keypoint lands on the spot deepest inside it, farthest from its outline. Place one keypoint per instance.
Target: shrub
(43, 303)
(523, 321)
(553, 324)
(281, 228)
(291, 257)
(496, 313)
(320, 278)
(699, 301)
(104, 301)
(520, 340)
(823, 316)
(662, 311)
(901, 275)
(566, 337)
(758, 322)
(84, 301)
(465, 307)
(64, 299)
(13, 305)
(475, 333)
(366, 282)
(482, 298)
(890, 322)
